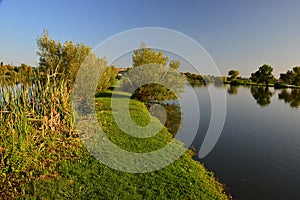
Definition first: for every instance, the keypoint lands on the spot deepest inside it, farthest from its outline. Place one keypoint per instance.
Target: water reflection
(174, 115)
(197, 84)
(292, 97)
(233, 90)
(262, 95)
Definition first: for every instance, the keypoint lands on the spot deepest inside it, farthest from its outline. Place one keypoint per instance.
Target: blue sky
(238, 34)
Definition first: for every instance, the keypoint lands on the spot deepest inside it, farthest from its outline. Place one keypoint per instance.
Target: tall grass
(36, 131)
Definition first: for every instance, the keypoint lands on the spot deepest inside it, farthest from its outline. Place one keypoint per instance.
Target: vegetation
(37, 132)
(263, 75)
(41, 155)
(193, 77)
(151, 66)
(291, 77)
(233, 74)
(63, 60)
(17, 74)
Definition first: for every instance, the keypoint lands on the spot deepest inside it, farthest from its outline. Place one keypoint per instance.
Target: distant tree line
(10, 74)
(263, 76)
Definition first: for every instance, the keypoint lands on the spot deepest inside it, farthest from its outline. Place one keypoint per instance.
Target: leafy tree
(291, 77)
(64, 60)
(233, 74)
(61, 59)
(146, 55)
(263, 75)
(149, 64)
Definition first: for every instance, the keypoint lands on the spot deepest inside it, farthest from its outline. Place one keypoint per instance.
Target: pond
(258, 153)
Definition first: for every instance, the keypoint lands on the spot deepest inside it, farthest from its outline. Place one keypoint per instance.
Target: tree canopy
(63, 59)
(152, 65)
(233, 74)
(263, 75)
(291, 77)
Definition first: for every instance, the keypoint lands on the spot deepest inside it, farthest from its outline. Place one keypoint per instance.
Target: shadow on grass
(109, 94)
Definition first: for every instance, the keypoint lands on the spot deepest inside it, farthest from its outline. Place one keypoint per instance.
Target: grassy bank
(44, 158)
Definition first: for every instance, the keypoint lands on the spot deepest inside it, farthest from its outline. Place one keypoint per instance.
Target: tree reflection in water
(233, 90)
(173, 119)
(292, 97)
(262, 95)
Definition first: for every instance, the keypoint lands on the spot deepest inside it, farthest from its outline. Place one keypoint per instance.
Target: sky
(237, 34)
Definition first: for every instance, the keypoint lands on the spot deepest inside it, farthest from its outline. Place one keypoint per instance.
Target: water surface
(258, 153)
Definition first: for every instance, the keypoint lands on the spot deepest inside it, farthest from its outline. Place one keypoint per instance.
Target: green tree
(64, 59)
(149, 64)
(263, 75)
(146, 55)
(291, 77)
(233, 74)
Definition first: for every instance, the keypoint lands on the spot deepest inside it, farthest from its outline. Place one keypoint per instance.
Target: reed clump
(36, 132)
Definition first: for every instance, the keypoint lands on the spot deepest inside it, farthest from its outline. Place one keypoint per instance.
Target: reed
(36, 131)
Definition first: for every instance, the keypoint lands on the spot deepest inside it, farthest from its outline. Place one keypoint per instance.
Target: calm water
(258, 153)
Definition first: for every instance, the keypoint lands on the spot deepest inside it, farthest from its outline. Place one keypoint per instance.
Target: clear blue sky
(238, 34)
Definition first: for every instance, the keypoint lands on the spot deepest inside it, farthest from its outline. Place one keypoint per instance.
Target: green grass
(41, 156)
(84, 177)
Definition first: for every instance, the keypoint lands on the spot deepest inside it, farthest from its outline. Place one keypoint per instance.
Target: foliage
(37, 132)
(174, 64)
(193, 77)
(233, 74)
(291, 77)
(62, 59)
(263, 75)
(107, 79)
(146, 55)
(151, 65)
(15, 74)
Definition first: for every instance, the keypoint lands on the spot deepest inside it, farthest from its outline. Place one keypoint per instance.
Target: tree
(233, 74)
(291, 77)
(146, 55)
(61, 59)
(263, 75)
(151, 65)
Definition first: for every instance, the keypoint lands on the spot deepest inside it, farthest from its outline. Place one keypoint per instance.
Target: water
(258, 153)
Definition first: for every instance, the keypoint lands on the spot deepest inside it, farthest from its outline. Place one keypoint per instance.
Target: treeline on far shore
(262, 77)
